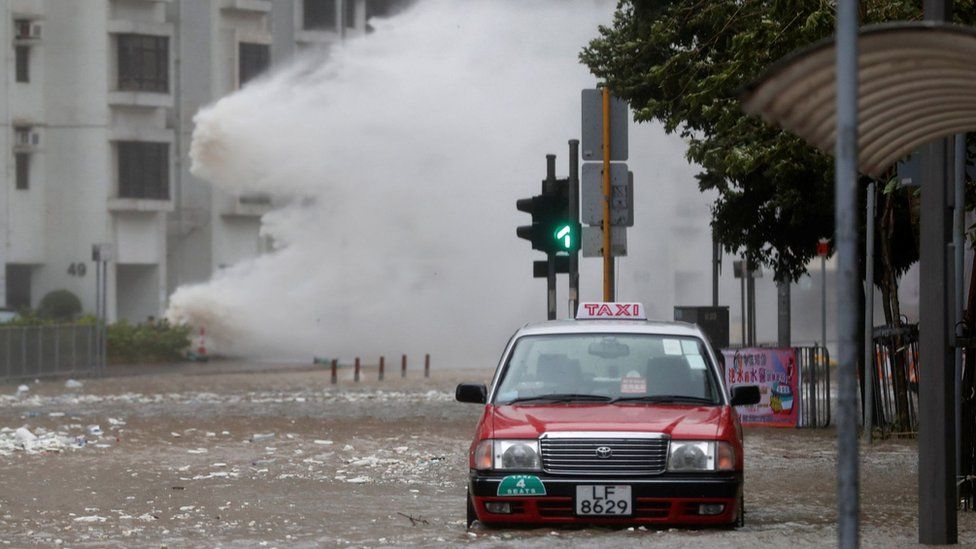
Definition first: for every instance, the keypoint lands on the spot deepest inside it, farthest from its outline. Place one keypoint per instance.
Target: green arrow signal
(565, 234)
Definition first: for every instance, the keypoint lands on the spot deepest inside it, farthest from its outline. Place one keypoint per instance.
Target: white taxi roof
(569, 326)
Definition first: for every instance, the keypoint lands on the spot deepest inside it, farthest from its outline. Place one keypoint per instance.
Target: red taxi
(607, 419)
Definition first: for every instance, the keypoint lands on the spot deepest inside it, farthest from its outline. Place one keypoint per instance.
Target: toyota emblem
(604, 452)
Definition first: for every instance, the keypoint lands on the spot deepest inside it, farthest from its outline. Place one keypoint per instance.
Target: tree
(684, 62)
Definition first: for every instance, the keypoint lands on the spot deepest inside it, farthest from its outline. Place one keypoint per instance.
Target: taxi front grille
(588, 456)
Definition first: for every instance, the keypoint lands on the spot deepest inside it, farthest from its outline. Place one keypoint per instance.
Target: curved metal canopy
(916, 83)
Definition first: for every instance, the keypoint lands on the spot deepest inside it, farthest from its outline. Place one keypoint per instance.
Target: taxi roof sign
(611, 311)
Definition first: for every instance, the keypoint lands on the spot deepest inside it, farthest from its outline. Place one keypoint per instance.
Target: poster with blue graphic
(774, 372)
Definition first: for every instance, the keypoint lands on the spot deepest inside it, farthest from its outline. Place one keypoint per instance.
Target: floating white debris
(73, 384)
(24, 437)
(23, 389)
(92, 518)
(197, 451)
(94, 430)
(324, 442)
(257, 437)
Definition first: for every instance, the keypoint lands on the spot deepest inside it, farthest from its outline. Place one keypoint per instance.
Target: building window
(22, 161)
(143, 63)
(23, 63)
(349, 13)
(143, 170)
(385, 8)
(319, 14)
(253, 59)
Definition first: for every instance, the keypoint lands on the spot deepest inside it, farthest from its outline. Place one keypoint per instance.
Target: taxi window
(608, 365)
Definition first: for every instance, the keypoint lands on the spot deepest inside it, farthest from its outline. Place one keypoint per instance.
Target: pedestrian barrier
(47, 351)
(359, 367)
(813, 370)
(896, 379)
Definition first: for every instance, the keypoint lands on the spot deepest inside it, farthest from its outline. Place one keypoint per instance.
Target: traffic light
(554, 229)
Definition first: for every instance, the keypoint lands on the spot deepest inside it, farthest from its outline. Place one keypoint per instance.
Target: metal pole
(869, 316)
(823, 301)
(751, 299)
(937, 523)
(716, 261)
(608, 289)
(427, 365)
(845, 174)
(550, 257)
(742, 304)
(551, 286)
(783, 314)
(574, 215)
(98, 318)
(403, 366)
(382, 366)
(958, 240)
(104, 349)
(356, 372)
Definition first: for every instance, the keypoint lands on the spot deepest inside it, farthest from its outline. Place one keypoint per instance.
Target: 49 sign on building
(774, 371)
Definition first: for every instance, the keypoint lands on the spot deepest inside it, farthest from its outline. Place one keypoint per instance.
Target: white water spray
(404, 154)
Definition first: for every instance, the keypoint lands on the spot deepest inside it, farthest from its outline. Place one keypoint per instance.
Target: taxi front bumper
(662, 500)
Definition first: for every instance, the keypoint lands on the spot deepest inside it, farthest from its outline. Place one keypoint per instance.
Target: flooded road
(287, 459)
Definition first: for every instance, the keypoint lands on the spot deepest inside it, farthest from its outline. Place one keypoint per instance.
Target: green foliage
(59, 305)
(683, 63)
(152, 342)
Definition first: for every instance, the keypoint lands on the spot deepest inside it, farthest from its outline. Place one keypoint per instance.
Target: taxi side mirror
(476, 393)
(744, 395)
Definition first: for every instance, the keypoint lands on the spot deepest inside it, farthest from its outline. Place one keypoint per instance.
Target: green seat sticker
(521, 485)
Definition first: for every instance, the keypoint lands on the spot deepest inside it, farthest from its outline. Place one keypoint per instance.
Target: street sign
(739, 269)
(910, 170)
(592, 241)
(823, 247)
(621, 198)
(101, 252)
(592, 138)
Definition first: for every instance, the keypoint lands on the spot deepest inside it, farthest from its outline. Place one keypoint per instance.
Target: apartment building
(97, 112)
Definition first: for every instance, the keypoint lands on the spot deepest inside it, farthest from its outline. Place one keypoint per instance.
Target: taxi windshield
(608, 368)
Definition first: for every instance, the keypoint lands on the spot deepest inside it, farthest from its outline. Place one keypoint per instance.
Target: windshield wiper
(663, 398)
(562, 397)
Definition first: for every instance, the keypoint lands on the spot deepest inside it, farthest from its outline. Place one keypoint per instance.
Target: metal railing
(896, 379)
(813, 369)
(47, 351)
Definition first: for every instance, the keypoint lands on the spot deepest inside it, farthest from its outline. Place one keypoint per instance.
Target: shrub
(139, 343)
(60, 305)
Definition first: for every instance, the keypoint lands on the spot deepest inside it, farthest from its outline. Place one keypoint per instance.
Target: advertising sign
(774, 371)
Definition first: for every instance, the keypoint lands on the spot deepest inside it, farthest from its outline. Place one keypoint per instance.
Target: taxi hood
(679, 421)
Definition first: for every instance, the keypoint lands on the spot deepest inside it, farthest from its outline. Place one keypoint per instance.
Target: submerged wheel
(471, 514)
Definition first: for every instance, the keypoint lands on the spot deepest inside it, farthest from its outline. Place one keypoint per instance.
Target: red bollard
(427, 365)
(382, 360)
(403, 366)
(356, 374)
(335, 366)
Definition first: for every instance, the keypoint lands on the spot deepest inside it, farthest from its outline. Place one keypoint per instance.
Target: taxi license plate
(603, 500)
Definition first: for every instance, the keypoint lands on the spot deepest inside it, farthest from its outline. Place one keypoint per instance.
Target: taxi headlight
(517, 454)
(701, 455)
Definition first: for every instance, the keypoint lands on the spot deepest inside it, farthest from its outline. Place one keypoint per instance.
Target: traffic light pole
(574, 216)
(551, 257)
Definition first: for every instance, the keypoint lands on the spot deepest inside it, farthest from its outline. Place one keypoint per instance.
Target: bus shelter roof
(916, 83)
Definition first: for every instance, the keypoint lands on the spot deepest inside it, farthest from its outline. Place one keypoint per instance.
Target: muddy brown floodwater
(285, 459)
